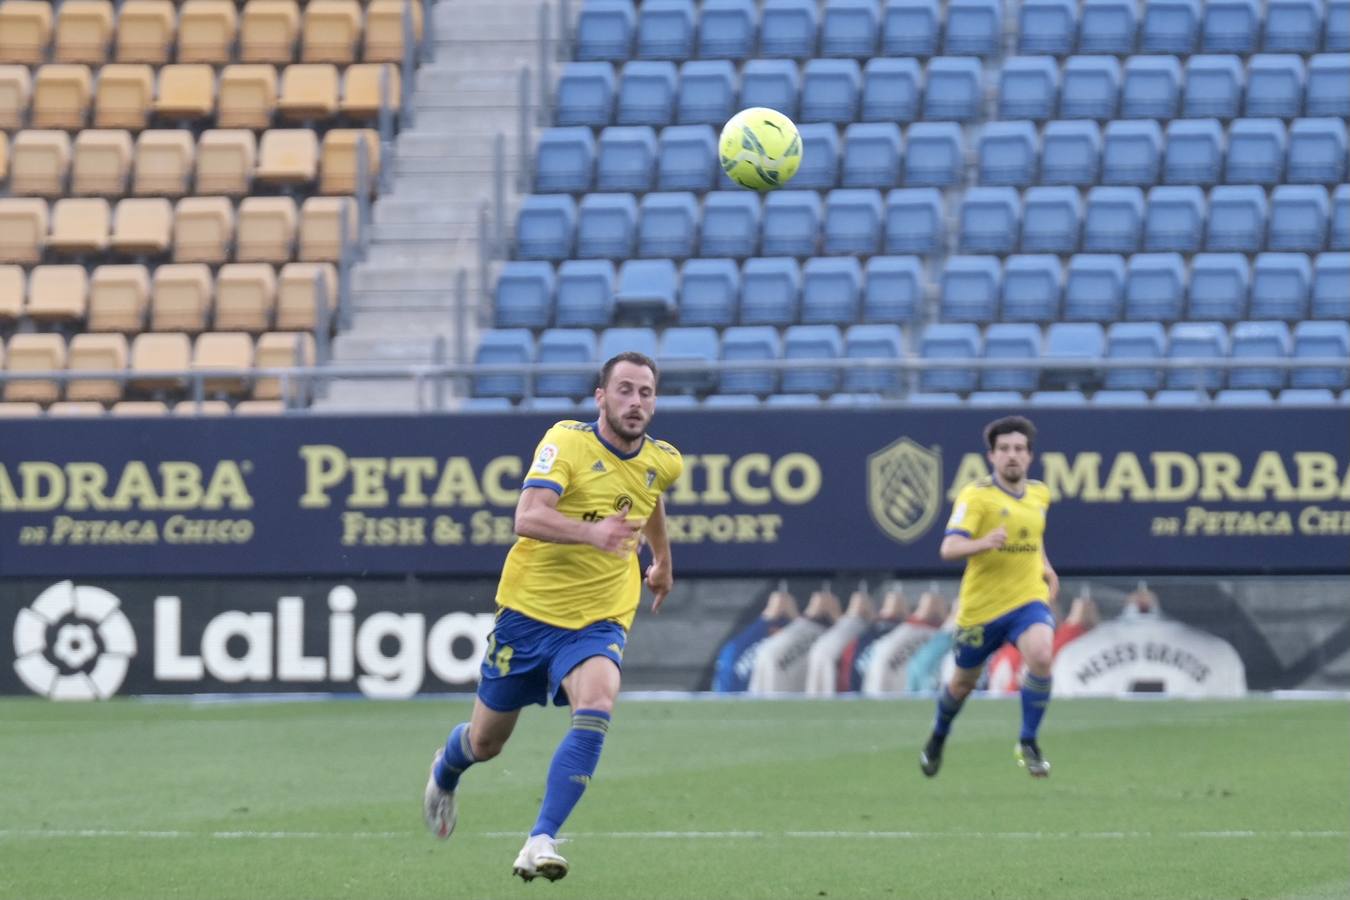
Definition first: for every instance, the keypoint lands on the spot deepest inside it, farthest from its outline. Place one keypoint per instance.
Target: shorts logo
(904, 489)
(970, 636)
(73, 643)
(543, 463)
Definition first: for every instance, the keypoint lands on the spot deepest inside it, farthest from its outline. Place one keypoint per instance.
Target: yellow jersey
(998, 581)
(573, 585)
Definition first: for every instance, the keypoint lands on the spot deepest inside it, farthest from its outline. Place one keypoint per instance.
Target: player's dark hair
(1009, 425)
(631, 356)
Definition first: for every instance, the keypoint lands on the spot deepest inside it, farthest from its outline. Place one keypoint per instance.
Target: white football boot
(540, 858)
(438, 805)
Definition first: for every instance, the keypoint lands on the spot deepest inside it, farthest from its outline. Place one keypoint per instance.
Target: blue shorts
(976, 643)
(527, 660)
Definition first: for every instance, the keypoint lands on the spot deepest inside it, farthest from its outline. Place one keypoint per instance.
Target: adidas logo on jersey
(598, 467)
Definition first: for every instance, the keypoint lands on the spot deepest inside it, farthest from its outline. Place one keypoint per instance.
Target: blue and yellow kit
(998, 581)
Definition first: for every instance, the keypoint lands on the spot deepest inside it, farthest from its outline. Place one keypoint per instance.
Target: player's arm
(965, 522)
(660, 574)
(537, 517)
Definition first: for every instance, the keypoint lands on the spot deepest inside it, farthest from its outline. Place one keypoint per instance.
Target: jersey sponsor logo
(543, 463)
(73, 643)
(904, 488)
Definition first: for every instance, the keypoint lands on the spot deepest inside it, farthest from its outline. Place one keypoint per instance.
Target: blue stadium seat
(1114, 220)
(614, 341)
(934, 154)
(934, 398)
(707, 92)
(1151, 88)
(1131, 153)
(894, 289)
(871, 155)
(607, 226)
(1071, 153)
(1194, 152)
(1194, 398)
(1256, 150)
(968, 289)
(792, 222)
(545, 225)
(1328, 85)
(1338, 26)
(565, 161)
(668, 224)
(1094, 289)
(1170, 26)
(586, 94)
(974, 27)
(646, 291)
(792, 401)
(771, 290)
(743, 343)
(678, 402)
(605, 30)
(831, 290)
(830, 90)
(1047, 26)
(524, 295)
(486, 405)
(1293, 26)
(1340, 218)
(1259, 340)
(685, 346)
(1218, 286)
(774, 83)
(1315, 340)
(1135, 340)
(1274, 86)
(647, 93)
(849, 28)
(1028, 88)
(731, 401)
(1230, 26)
(585, 293)
(625, 159)
(1175, 220)
(1071, 342)
(910, 28)
(1309, 397)
(1107, 26)
(1031, 288)
(710, 292)
(730, 224)
(953, 88)
(990, 220)
(853, 220)
(1237, 218)
(1155, 285)
(727, 29)
(853, 401)
(1213, 87)
(949, 340)
(1331, 286)
(1197, 340)
(566, 345)
(561, 407)
(787, 29)
(507, 346)
(820, 157)
(1280, 286)
(812, 342)
(1119, 398)
(1057, 398)
(1008, 399)
(1051, 220)
(1008, 153)
(1317, 149)
(872, 342)
(1011, 340)
(1298, 217)
(915, 221)
(1243, 397)
(890, 91)
(665, 29)
(686, 158)
(1089, 87)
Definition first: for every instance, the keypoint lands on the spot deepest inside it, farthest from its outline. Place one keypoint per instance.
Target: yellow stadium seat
(248, 96)
(13, 287)
(58, 294)
(297, 301)
(321, 238)
(281, 350)
(338, 160)
(23, 229)
(101, 163)
(142, 226)
(159, 352)
(20, 410)
(225, 160)
(288, 156)
(96, 352)
(203, 229)
(39, 161)
(363, 86)
(206, 31)
(118, 299)
(61, 96)
(201, 408)
(332, 31)
(84, 29)
(16, 91)
(268, 31)
(140, 408)
(186, 92)
(223, 350)
(79, 226)
(384, 29)
(34, 353)
(145, 30)
(124, 96)
(182, 297)
(69, 408)
(25, 31)
(309, 92)
(266, 230)
(245, 296)
(164, 162)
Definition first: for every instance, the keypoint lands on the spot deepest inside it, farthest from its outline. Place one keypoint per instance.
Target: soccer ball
(760, 149)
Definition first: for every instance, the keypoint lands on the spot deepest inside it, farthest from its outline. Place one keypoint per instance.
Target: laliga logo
(73, 643)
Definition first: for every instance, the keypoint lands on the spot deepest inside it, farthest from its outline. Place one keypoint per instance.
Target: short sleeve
(675, 468)
(551, 468)
(965, 518)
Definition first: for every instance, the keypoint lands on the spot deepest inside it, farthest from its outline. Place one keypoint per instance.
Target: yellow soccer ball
(760, 149)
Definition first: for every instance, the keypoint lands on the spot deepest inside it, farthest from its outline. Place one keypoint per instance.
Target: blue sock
(571, 770)
(1035, 698)
(947, 708)
(456, 758)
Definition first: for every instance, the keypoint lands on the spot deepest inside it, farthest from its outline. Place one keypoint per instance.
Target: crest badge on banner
(904, 489)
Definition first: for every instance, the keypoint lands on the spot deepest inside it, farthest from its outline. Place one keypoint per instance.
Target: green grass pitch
(1160, 800)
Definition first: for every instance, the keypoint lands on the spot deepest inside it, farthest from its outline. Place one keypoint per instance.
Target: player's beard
(619, 426)
(1012, 474)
